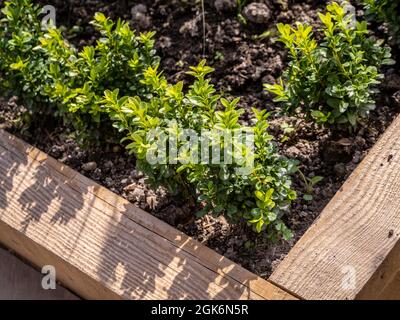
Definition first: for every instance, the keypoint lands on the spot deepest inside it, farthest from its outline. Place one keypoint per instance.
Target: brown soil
(243, 62)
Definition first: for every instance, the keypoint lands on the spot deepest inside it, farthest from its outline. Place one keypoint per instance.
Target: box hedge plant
(331, 81)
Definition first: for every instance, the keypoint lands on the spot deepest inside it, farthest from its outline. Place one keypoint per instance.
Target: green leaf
(260, 195)
(268, 194)
(292, 195)
(308, 197)
(316, 179)
(100, 17)
(259, 226)
(225, 103)
(201, 213)
(202, 197)
(286, 232)
(272, 216)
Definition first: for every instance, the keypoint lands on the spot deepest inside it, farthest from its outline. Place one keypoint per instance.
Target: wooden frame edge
(233, 280)
(352, 251)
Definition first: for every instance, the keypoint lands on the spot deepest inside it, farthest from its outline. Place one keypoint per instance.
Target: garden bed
(103, 247)
(242, 64)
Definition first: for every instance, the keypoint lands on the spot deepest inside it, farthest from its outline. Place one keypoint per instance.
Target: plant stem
(307, 185)
(204, 27)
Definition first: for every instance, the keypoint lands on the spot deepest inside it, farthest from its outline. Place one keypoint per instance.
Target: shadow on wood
(102, 246)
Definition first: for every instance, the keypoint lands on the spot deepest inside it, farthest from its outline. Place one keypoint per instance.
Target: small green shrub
(260, 197)
(332, 81)
(23, 68)
(42, 67)
(78, 79)
(385, 11)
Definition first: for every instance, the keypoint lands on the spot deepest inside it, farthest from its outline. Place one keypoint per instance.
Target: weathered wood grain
(102, 246)
(356, 237)
(19, 281)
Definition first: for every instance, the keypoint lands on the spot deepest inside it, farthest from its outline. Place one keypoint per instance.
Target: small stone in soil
(257, 12)
(293, 152)
(225, 5)
(396, 97)
(56, 151)
(109, 182)
(190, 27)
(340, 169)
(164, 42)
(357, 157)
(137, 174)
(131, 187)
(359, 142)
(345, 142)
(89, 166)
(116, 149)
(108, 165)
(140, 17)
(151, 202)
(138, 194)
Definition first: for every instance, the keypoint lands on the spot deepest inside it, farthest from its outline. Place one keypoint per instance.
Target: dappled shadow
(9, 164)
(37, 199)
(128, 250)
(151, 260)
(33, 186)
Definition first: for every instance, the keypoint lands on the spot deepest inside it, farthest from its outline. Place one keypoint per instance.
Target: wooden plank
(353, 250)
(385, 283)
(102, 245)
(19, 281)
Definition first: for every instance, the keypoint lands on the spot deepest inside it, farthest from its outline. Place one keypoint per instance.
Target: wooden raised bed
(356, 236)
(104, 247)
